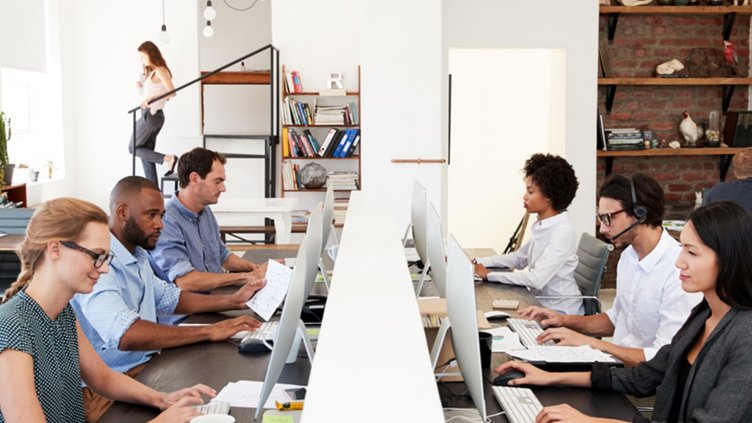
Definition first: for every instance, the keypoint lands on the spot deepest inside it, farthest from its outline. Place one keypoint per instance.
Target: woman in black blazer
(705, 374)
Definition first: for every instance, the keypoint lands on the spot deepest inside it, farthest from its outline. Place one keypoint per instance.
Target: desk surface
(216, 364)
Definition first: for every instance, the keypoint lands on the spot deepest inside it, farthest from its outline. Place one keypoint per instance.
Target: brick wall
(641, 43)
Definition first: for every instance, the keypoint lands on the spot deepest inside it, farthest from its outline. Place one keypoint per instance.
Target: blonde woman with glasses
(44, 356)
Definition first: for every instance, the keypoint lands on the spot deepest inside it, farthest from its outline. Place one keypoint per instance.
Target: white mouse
(496, 315)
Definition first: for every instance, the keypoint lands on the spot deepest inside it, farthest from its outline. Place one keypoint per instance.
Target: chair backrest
(592, 254)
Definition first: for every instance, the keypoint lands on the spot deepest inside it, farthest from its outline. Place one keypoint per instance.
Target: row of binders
(338, 143)
(296, 112)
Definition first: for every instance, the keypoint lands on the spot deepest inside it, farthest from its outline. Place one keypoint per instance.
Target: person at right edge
(157, 80)
(705, 374)
(650, 304)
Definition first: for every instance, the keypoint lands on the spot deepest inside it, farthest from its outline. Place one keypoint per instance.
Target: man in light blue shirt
(190, 250)
(119, 317)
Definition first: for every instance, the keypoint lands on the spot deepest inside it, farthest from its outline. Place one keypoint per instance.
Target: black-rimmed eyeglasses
(99, 259)
(606, 218)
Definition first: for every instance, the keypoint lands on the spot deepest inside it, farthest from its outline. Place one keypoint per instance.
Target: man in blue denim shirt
(190, 250)
(119, 317)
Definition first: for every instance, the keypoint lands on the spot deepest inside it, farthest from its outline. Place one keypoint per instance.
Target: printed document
(266, 301)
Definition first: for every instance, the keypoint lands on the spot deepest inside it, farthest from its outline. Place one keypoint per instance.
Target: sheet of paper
(560, 354)
(290, 261)
(504, 339)
(266, 301)
(245, 394)
(277, 418)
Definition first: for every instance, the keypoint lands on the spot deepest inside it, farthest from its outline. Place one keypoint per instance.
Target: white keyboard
(265, 333)
(505, 304)
(214, 407)
(528, 331)
(520, 404)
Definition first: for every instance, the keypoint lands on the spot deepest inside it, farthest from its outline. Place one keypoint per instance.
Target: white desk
(372, 363)
(236, 212)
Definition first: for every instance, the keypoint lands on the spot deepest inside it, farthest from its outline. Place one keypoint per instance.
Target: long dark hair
(726, 228)
(155, 57)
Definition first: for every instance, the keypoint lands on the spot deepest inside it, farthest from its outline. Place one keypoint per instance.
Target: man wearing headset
(650, 304)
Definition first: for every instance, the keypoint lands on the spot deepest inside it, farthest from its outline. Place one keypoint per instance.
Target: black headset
(638, 210)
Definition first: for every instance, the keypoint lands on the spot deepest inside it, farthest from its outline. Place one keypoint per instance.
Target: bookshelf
(335, 145)
(609, 83)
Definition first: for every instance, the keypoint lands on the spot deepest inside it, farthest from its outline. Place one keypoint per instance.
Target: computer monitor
(418, 219)
(300, 286)
(436, 254)
(461, 311)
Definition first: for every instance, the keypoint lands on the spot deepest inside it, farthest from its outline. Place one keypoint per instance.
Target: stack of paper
(245, 394)
(504, 340)
(560, 354)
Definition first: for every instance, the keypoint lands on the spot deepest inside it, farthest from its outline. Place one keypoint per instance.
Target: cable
(237, 9)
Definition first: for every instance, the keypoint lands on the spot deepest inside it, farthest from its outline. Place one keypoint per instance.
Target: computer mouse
(496, 315)
(503, 380)
(253, 345)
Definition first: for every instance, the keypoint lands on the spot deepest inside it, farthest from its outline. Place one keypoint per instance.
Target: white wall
(22, 20)
(100, 69)
(571, 26)
(506, 105)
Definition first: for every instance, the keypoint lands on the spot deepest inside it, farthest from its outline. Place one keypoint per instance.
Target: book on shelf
(340, 210)
(293, 84)
(601, 137)
(343, 181)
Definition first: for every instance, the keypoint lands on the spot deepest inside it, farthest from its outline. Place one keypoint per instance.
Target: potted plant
(6, 169)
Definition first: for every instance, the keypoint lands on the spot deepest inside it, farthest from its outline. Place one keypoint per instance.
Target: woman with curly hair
(550, 256)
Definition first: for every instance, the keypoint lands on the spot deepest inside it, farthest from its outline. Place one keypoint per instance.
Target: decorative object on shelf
(708, 62)
(604, 2)
(664, 2)
(49, 167)
(690, 130)
(334, 85)
(6, 169)
(635, 2)
(715, 2)
(713, 134)
(681, 2)
(313, 176)
(744, 3)
(163, 35)
(729, 54)
(674, 144)
(671, 68)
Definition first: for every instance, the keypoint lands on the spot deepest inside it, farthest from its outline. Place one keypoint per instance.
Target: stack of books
(291, 173)
(5, 203)
(620, 139)
(334, 115)
(340, 210)
(343, 181)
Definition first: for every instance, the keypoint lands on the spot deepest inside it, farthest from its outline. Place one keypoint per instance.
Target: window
(32, 100)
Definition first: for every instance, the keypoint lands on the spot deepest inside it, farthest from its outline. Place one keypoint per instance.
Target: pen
(291, 405)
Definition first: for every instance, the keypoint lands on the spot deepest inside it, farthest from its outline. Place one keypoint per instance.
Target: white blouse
(550, 257)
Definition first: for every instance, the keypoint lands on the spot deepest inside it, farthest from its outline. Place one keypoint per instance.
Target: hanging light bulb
(208, 30)
(163, 35)
(209, 12)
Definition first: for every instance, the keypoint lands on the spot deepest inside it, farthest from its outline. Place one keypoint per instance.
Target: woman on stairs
(156, 80)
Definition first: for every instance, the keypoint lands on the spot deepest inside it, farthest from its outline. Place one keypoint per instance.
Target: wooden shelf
(262, 77)
(718, 151)
(676, 10)
(16, 193)
(675, 81)
(314, 93)
(725, 154)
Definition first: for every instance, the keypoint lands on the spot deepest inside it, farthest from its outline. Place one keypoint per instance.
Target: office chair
(592, 254)
(328, 215)
(515, 242)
